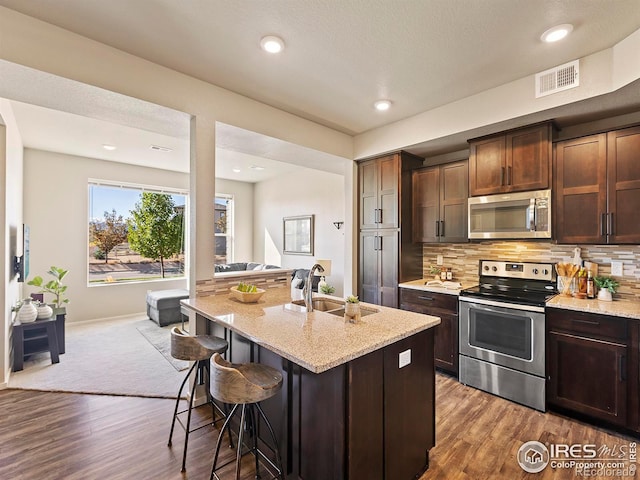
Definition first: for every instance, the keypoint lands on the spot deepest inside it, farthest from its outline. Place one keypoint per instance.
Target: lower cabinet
(588, 366)
(440, 305)
(633, 413)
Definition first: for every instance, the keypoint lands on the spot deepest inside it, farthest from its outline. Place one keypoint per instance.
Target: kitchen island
(357, 400)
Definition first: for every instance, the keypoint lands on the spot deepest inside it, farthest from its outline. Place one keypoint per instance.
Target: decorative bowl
(246, 297)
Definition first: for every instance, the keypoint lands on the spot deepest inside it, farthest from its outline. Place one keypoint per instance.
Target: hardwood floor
(55, 436)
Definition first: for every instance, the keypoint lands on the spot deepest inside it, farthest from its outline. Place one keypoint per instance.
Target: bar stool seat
(197, 349)
(245, 384)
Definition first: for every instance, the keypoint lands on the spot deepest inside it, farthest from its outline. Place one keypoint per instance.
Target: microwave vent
(557, 79)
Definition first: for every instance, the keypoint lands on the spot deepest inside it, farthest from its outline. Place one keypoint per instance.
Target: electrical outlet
(439, 260)
(404, 358)
(616, 269)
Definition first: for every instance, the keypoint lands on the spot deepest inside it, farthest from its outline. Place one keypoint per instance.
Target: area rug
(160, 338)
(106, 357)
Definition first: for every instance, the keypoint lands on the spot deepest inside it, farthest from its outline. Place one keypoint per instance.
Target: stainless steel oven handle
(494, 303)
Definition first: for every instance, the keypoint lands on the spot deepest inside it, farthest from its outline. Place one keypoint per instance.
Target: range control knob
(545, 271)
(486, 268)
(494, 268)
(535, 271)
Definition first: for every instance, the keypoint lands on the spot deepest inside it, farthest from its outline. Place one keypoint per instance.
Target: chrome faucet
(307, 291)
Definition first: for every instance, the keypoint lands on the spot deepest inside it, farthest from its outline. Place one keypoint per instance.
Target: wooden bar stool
(244, 384)
(197, 349)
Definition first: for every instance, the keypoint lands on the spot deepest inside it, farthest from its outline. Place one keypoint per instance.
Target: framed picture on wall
(298, 235)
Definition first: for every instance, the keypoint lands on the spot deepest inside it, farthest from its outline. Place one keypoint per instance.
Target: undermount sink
(333, 307)
(321, 305)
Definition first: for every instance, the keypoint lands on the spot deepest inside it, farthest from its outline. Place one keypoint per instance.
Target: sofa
(242, 267)
(299, 278)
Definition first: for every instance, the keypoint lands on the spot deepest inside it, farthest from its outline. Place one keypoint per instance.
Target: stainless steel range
(502, 330)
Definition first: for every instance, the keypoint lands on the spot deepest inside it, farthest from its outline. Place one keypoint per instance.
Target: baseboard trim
(107, 319)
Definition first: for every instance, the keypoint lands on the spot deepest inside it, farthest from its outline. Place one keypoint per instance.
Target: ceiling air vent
(558, 79)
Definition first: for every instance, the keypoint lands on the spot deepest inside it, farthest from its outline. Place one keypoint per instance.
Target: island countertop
(317, 341)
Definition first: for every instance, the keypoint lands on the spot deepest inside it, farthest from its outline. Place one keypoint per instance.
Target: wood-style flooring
(56, 436)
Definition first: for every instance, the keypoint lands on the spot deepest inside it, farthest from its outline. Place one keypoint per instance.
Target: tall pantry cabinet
(387, 255)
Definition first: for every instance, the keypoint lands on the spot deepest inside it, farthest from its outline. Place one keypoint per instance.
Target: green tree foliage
(155, 227)
(108, 234)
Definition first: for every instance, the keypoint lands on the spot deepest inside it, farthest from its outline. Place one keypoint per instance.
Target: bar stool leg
(175, 411)
(275, 440)
(240, 434)
(186, 433)
(219, 441)
(254, 430)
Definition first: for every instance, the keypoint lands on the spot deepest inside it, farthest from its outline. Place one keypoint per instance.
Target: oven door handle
(493, 303)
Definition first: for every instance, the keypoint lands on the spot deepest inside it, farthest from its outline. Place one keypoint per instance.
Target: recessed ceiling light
(382, 105)
(272, 44)
(256, 167)
(236, 170)
(106, 146)
(556, 33)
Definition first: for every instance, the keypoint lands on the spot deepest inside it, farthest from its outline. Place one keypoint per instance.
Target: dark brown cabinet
(597, 188)
(387, 254)
(513, 161)
(634, 375)
(587, 364)
(440, 203)
(446, 334)
(379, 267)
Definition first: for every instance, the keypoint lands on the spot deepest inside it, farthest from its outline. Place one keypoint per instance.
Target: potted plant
(57, 289)
(327, 289)
(607, 286)
(352, 309)
(54, 287)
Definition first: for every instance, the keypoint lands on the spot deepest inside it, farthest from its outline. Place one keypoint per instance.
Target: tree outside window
(135, 234)
(223, 229)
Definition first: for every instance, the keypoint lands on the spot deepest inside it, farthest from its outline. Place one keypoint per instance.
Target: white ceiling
(340, 57)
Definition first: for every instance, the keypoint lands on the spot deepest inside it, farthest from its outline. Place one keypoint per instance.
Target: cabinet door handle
(429, 299)
(442, 228)
(378, 243)
(378, 214)
(602, 224)
(437, 228)
(508, 175)
(588, 322)
(622, 375)
(502, 176)
(610, 223)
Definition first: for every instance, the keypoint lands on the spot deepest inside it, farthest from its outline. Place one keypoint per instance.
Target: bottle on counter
(449, 274)
(591, 289)
(443, 273)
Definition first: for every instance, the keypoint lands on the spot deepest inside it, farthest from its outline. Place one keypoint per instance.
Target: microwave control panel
(525, 270)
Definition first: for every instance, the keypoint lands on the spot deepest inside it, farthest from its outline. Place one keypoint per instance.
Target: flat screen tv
(21, 263)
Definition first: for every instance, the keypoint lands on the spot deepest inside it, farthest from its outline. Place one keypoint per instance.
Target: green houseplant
(54, 286)
(607, 286)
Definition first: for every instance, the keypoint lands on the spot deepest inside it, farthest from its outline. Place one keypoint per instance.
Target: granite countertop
(317, 341)
(617, 308)
(421, 285)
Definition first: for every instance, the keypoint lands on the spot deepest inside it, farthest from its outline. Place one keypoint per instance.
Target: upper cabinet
(440, 203)
(513, 161)
(597, 188)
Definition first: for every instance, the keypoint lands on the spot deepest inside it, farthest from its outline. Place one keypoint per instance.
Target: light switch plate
(439, 260)
(616, 269)
(404, 358)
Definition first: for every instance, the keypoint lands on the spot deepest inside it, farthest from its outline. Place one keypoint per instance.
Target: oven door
(503, 334)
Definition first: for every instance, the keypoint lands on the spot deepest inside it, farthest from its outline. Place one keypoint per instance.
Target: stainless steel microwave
(511, 215)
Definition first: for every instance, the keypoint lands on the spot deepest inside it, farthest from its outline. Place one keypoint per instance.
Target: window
(136, 233)
(223, 228)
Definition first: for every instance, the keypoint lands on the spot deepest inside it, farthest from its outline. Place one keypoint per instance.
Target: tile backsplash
(463, 259)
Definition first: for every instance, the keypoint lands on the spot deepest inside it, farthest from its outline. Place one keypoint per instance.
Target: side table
(34, 337)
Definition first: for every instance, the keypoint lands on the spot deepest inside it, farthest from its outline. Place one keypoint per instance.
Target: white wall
(243, 216)
(56, 207)
(11, 175)
(308, 192)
